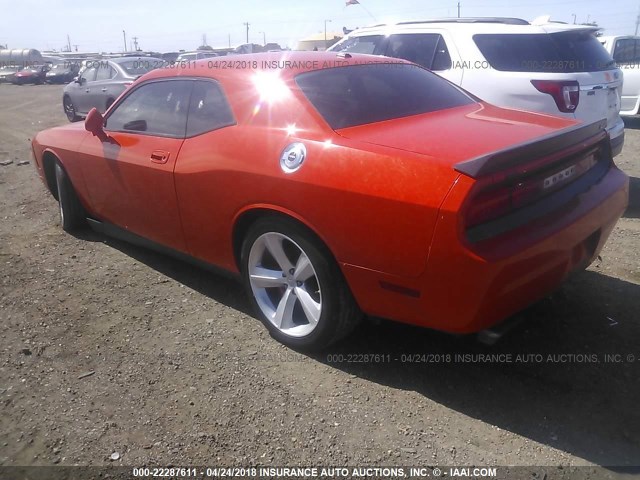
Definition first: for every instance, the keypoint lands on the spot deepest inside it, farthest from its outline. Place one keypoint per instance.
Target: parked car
(35, 74)
(62, 72)
(7, 72)
(342, 184)
(625, 50)
(552, 68)
(199, 55)
(102, 81)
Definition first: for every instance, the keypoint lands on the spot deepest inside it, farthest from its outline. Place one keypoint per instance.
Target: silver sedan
(102, 81)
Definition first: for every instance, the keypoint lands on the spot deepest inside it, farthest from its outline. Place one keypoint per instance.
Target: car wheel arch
(49, 160)
(248, 216)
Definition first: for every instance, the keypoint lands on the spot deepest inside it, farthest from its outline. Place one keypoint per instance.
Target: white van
(625, 50)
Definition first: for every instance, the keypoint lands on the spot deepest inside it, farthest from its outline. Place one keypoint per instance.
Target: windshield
(361, 94)
(140, 66)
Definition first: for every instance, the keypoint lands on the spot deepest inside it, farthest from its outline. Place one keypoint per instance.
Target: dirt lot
(184, 374)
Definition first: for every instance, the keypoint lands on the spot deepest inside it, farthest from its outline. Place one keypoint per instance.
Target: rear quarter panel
(374, 208)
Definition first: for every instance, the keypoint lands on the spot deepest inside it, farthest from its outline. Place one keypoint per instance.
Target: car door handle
(87, 90)
(159, 156)
(104, 89)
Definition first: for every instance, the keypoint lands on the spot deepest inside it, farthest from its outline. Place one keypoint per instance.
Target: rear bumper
(617, 144)
(466, 290)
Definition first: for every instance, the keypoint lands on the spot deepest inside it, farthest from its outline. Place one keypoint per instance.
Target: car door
(80, 90)
(205, 180)
(100, 89)
(129, 175)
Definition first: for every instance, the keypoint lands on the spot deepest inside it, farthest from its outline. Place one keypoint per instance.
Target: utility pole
(458, 9)
(264, 38)
(574, 18)
(68, 43)
(124, 36)
(135, 43)
(246, 24)
(229, 40)
(637, 23)
(325, 33)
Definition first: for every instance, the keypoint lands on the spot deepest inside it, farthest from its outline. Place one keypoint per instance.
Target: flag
(352, 2)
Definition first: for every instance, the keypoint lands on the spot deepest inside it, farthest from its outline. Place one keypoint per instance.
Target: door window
(426, 49)
(627, 51)
(157, 108)
(105, 72)
(89, 75)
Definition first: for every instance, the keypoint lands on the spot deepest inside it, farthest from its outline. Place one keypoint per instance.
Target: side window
(89, 75)
(371, 44)
(208, 109)
(627, 50)
(158, 108)
(105, 72)
(442, 59)
(425, 49)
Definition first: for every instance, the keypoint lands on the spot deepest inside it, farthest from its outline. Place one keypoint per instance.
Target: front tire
(72, 214)
(296, 286)
(69, 109)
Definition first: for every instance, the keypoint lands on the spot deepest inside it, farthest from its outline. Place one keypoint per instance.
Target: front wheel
(72, 214)
(296, 285)
(69, 109)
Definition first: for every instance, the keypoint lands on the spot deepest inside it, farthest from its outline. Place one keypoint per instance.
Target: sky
(98, 26)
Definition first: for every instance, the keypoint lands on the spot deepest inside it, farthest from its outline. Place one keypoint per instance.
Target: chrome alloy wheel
(285, 284)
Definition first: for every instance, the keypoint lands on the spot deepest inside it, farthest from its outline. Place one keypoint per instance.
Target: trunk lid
(458, 134)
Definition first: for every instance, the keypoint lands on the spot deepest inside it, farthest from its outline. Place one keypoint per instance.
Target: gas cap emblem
(292, 157)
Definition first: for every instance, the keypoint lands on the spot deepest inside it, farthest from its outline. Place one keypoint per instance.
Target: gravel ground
(109, 348)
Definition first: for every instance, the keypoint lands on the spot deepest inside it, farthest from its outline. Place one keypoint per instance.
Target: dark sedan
(102, 81)
(63, 72)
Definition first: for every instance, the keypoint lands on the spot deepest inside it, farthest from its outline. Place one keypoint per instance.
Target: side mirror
(94, 123)
(78, 80)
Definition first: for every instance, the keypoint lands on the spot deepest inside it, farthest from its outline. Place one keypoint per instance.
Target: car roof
(287, 64)
(119, 60)
(616, 37)
(475, 25)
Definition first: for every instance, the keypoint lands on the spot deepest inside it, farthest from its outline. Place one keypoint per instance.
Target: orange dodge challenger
(339, 185)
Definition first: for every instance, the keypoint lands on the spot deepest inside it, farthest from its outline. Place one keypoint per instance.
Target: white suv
(625, 50)
(553, 68)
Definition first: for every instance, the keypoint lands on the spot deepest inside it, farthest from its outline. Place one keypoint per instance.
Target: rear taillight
(505, 192)
(566, 93)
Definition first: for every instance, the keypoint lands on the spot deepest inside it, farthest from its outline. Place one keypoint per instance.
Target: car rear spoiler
(576, 138)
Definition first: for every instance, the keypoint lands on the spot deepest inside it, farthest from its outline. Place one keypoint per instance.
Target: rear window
(361, 94)
(563, 52)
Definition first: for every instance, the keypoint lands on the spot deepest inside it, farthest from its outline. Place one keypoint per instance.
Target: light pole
(264, 38)
(325, 33)
(124, 35)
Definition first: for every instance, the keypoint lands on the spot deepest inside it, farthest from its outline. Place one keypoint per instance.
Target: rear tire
(72, 214)
(296, 286)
